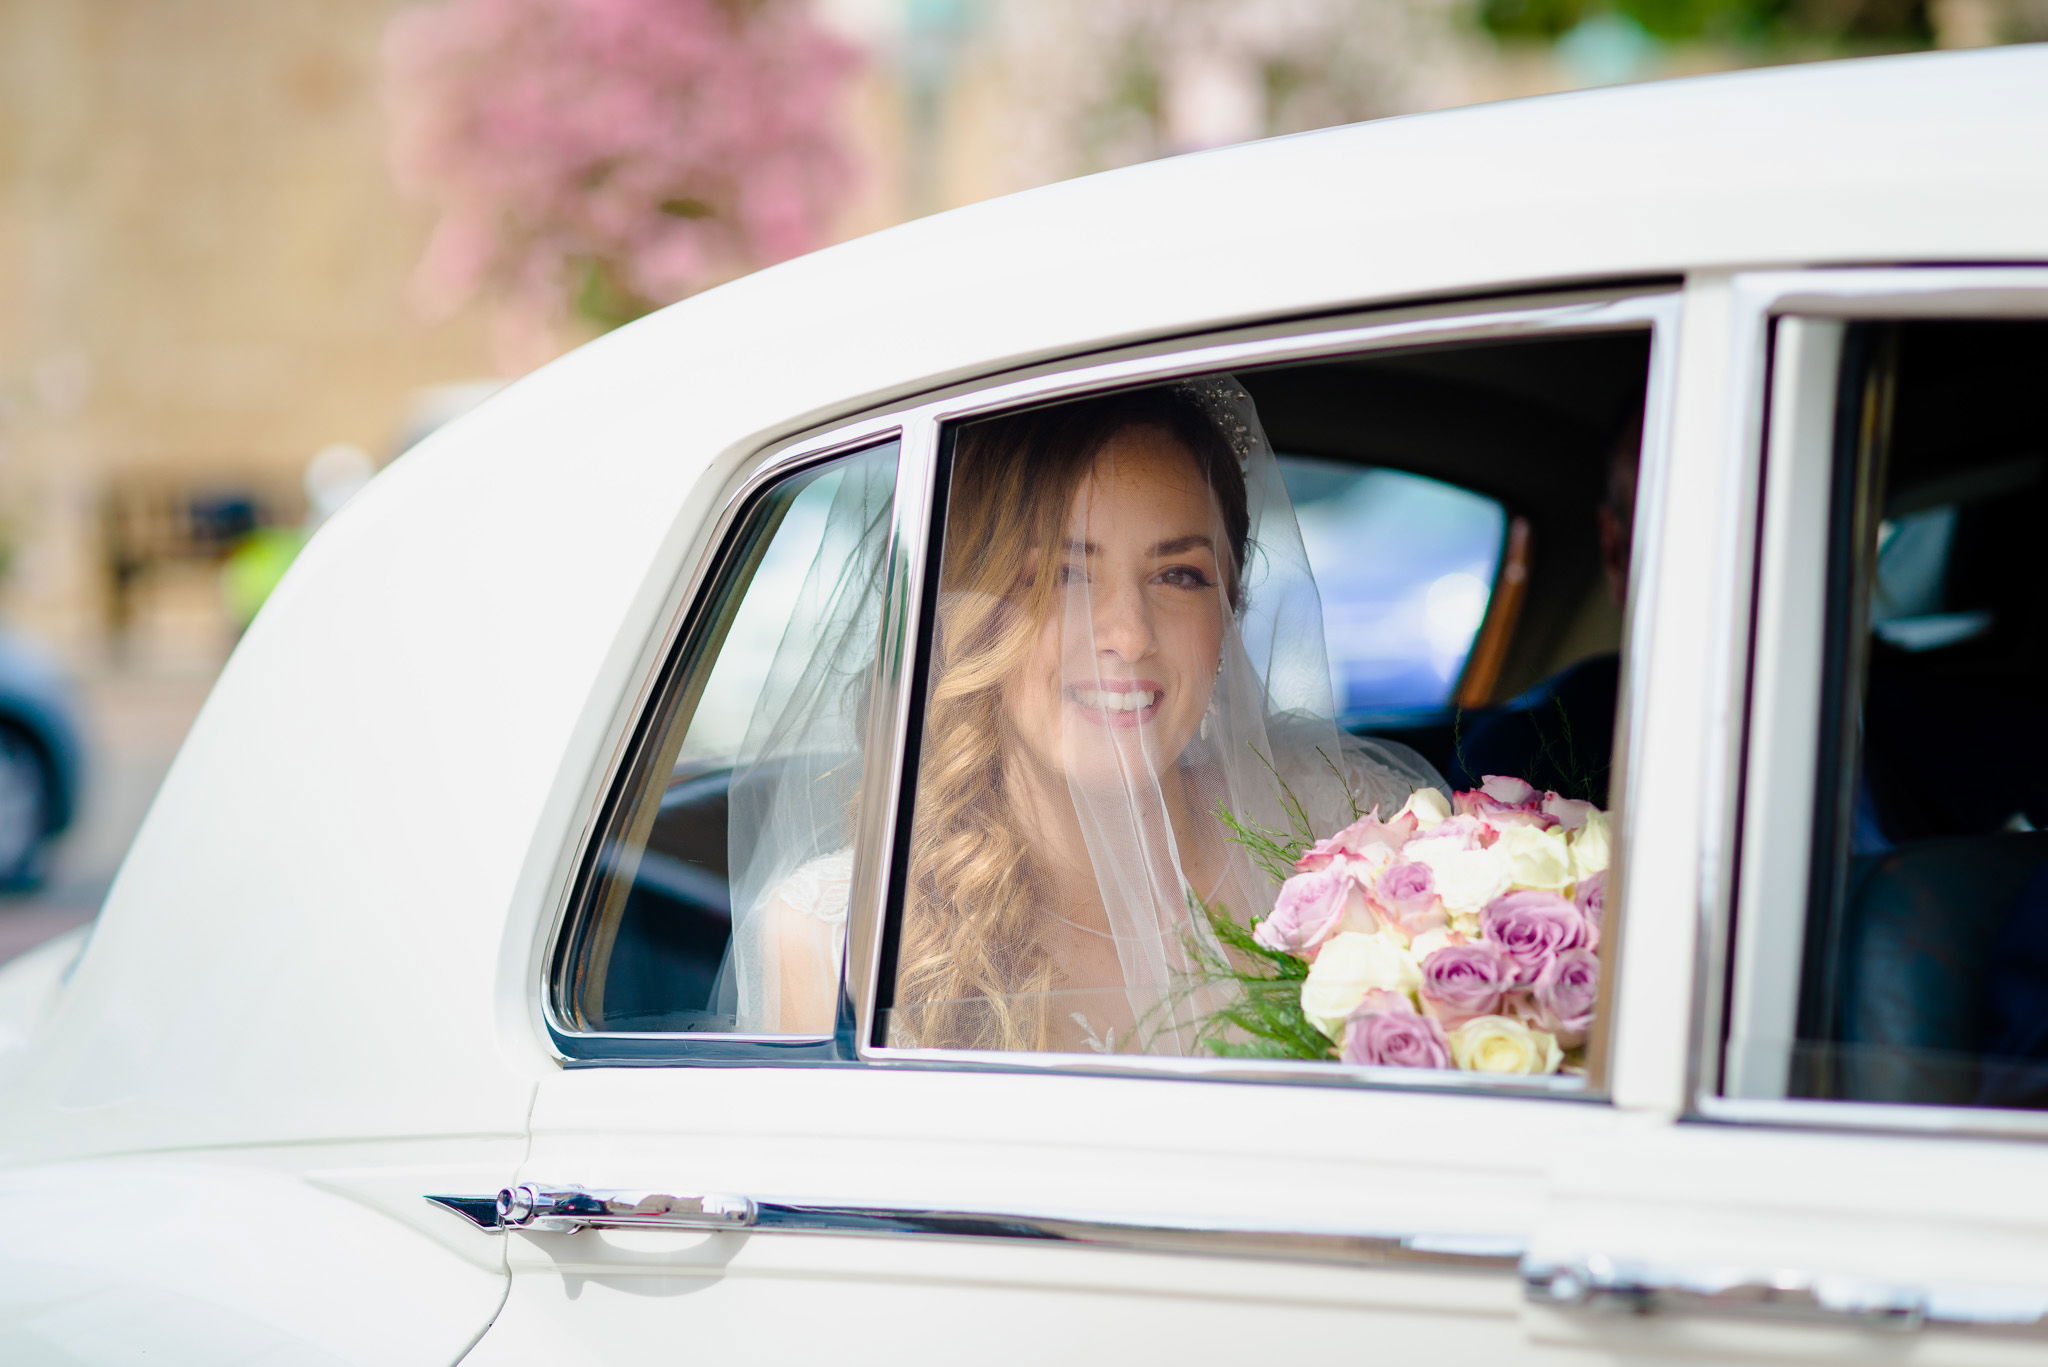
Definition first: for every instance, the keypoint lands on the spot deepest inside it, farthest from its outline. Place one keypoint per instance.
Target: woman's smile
(1109, 703)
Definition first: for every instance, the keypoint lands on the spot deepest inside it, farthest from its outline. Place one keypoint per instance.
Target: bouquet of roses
(1451, 935)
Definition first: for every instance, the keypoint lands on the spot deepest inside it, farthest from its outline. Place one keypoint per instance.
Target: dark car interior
(1535, 425)
(1927, 968)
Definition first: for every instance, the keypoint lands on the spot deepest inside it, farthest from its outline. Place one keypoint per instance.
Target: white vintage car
(399, 1038)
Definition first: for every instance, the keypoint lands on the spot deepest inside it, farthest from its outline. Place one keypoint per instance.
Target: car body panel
(1216, 1156)
(247, 1256)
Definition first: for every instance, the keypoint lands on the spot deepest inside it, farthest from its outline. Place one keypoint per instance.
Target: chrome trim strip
(481, 1211)
(1600, 1284)
(1783, 726)
(1872, 1117)
(1902, 292)
(1372, 1248)
(1646, 570)
(1297, 1072)
(1317, 340)
(1741, 395)
(1476, 1253)
(883, 782)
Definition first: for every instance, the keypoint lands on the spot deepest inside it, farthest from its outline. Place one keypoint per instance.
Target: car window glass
(744, 720)
(1925, 962)
(1130, 733)
(1405, 566)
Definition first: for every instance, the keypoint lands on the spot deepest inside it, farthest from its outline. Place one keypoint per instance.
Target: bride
(1128, 643)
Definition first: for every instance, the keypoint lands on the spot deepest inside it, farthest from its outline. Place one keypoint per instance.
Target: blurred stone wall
(203, 269)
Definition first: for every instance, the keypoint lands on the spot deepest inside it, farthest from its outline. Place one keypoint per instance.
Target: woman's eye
(1072, 574)
(1185, 577)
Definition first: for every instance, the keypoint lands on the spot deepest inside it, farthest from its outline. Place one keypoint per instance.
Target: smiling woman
(1127, 641)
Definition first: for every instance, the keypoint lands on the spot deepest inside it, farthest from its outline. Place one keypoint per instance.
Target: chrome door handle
(1599, 1283)
(563, 1210)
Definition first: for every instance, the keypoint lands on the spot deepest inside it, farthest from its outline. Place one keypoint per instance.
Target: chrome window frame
(1652, 306)
(697, 588)
(1818, 298)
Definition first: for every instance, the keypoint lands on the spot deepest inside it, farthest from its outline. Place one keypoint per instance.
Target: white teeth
(1135, 701)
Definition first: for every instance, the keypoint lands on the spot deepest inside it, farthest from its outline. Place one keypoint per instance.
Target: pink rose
(1500, 802)
(1452, 834)
(1510, 792)
(1591, 897)
(1568, 812)
(1460, 982)
(1386, 1030)
(1531, 928)
(1565, 994)
(1368, 839)
(1310, 909)
(1405, 893)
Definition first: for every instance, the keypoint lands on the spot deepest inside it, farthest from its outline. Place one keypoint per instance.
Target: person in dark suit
(1560, 734)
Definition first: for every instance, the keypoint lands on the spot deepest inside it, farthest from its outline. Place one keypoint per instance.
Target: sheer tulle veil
(1145, 792)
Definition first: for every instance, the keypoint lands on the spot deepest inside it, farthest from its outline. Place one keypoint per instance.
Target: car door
(1854, 1170)
(692, 1191)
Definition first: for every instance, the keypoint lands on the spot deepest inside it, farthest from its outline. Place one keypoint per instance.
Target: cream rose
(1536, 858)
(1349, 966)
(1590, 849)
(1496, 1044)
(1466, 880)
(1430, 941)
(1427, 806)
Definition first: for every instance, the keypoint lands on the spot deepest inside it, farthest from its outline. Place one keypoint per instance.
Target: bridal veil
(1151, 767)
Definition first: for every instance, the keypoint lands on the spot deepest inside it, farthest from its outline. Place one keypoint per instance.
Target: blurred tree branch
(605, 157)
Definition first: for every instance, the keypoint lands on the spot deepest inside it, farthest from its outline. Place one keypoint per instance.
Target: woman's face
(1121, 668)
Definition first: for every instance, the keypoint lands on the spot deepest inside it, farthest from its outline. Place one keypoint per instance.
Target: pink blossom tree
(609, 156)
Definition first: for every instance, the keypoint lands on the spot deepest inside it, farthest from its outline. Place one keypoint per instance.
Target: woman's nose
(1122, 622)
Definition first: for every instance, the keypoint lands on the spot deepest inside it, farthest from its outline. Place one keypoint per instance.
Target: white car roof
(326, 925)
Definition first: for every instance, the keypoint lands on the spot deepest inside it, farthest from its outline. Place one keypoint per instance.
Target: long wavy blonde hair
(973, 969)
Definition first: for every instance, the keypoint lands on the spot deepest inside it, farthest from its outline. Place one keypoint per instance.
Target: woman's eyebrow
(1171, 546)
(1177, 544)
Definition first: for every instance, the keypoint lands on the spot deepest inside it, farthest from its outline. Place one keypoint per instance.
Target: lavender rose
(1310, 909)
(1405, 892)
(1565, 993)
(1591, 898)
(1531, 928)
(1463, 981)
(1386, 1030)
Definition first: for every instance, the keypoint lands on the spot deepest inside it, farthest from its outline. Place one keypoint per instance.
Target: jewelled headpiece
(1225, 402)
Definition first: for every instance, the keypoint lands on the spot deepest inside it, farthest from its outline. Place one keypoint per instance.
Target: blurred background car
(41, 757)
